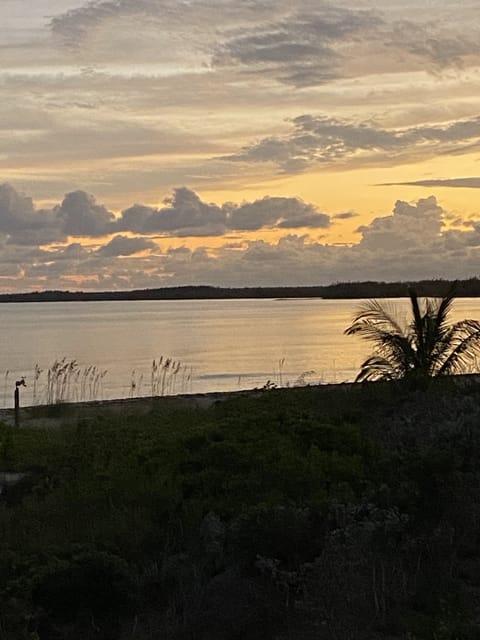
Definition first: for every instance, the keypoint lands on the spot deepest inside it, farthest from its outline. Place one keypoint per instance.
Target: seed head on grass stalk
(166, 366)
(37, 372)
(7, 372)
(175, 373)
(154, 378)
(133, 382)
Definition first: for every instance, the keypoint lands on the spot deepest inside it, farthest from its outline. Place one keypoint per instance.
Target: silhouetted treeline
(342, 290)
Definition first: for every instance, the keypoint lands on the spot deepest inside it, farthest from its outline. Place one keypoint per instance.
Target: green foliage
(85, 581)
(316, 512)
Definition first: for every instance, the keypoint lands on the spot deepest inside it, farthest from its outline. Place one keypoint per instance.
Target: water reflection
(222, 344)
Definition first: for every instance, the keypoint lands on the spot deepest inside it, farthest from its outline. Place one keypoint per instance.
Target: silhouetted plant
(67, 382)
(88, 583)
(5, 384)
(421, 348)
(164, 375)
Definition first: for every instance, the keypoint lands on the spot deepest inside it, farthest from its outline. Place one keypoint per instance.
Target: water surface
(218, 345)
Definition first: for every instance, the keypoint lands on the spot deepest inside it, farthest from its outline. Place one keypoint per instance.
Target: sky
(154, 143)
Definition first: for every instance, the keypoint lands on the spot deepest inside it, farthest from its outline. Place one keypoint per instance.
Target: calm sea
(107, 349)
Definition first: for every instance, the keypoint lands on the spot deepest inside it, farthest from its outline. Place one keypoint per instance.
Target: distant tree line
(341, 290)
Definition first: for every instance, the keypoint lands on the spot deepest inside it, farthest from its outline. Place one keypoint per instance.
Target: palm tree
(423, 347)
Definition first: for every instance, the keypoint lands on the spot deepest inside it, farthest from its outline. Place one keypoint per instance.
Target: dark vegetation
(336, 513)
(342, 290)
(420, 347)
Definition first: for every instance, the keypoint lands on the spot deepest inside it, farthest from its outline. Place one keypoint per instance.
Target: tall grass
(167, 377)
(67, 381)
(5, 383)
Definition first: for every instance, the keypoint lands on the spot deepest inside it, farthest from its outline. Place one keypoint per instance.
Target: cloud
(347, 215)
(314, 44)
(121, 108)
(92, 137)
(74, 25)
(413, 241)
(77, 215)
(189, 26)
(125, 246)
(82, 216)
(316, 140)
(134, 218)
(410, 243)
(185, 211)
(284, 213)
(437, 45)
(297, 49)
(185, 214)
(16, 211)
(73, 251)
(409, 226)
(296, 43)
(22, 222)
(462, 183)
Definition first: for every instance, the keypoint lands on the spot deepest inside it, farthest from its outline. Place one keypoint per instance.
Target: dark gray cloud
(200, 17)
(463, 183)
(125, 246)
(314, 44)
(298, 49)
(185, 214)
(77, 215)
(73, 251)
(22, 222)
(347, 215)
(80, 215)
(134, 218)
(185, 211)
(285, 213)
(322, 140)
(434, 44)
(16, 211)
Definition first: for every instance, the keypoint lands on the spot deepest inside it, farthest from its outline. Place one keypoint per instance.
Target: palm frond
(464, 345)
(417, 324)
(377, 368)
(374, 313)
(426, 347)
(445, 306)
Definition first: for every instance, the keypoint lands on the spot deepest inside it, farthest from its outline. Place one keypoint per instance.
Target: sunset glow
(226, 143)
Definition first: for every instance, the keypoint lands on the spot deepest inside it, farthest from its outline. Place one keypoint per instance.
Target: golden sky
(236, 143)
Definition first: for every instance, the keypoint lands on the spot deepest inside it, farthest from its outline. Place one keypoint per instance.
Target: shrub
(86, 581)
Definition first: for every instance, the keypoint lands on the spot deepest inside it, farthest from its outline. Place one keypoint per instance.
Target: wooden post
(16, 396)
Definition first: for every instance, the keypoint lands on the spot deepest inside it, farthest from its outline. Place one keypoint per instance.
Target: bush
(281, 532)
(86, 582)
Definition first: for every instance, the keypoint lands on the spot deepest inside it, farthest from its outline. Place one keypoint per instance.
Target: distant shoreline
(344, 290)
